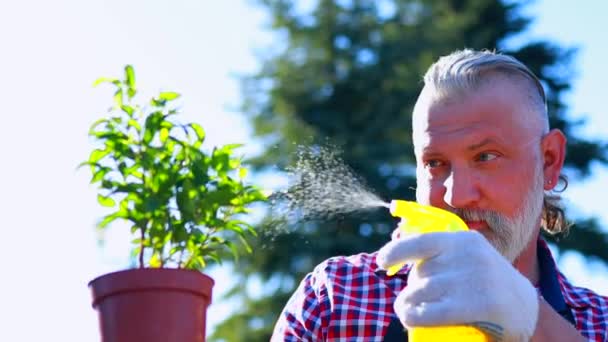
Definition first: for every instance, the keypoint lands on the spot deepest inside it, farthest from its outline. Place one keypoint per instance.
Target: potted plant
(183, 205)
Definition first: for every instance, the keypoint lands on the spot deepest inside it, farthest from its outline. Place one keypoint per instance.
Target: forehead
(498, 110)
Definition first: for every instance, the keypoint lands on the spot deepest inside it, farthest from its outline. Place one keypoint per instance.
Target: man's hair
(463, 71)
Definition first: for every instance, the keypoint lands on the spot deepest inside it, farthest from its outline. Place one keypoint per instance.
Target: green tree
(350, 72)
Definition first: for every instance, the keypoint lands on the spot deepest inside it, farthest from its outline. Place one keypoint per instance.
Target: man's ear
(553, 147)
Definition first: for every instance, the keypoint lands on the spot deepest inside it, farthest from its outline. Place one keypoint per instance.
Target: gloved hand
(462, 280)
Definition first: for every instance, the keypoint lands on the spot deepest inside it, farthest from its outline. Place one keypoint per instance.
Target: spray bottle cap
(425, 219)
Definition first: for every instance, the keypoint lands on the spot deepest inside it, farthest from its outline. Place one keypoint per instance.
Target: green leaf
(215, 257)
(200, 132)
(176, 249)
(245, 244)
(122, 167)
(185, 205)
(109, 184)
(155, 260)
(133, 123)
(242, 173)
(152, 203)
(168, 96)
(86, 163)
(105, 80)
(134, 170)
(200, 262)
(97, 155)
(235, 227)
(130, 76)
(118, 98)
(106, 220)
(134, 228)
(99, 174)
(233, 249)
(158, 102)
(230, 147)
(152, 125)
(165, 123)
(97, 123)
(179, 233)
(106, 201)
(164, 134)
(128, 109)
(221, 196)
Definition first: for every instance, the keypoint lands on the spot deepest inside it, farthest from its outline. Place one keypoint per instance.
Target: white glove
(462, 280)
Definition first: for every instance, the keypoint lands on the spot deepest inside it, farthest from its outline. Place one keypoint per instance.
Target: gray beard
(510, 236)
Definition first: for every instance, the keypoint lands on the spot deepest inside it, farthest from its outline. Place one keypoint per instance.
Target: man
(484, 151)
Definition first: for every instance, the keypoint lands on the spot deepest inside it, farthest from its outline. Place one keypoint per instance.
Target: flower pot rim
(151, 279)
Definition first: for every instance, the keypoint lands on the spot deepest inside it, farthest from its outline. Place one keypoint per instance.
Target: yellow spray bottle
(417, 218)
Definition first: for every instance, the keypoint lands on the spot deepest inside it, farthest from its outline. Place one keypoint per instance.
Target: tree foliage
(350, 72)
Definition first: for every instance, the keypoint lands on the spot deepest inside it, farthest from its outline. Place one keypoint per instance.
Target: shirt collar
(555, 289)
(549, 285)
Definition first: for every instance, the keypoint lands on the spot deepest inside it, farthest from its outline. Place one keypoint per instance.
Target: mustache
(492, 218)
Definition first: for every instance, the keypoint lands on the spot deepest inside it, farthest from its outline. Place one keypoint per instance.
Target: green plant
(183, 204)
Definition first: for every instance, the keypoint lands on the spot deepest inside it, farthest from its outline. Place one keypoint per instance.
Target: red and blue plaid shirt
(351, 299)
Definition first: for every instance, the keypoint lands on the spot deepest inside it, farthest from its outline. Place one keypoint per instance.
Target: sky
(52, 51)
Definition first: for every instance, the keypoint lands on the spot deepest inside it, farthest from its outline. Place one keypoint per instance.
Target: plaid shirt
(351, 299)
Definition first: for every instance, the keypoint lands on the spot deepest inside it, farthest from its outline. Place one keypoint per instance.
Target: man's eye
(434, 163)
(487, 156)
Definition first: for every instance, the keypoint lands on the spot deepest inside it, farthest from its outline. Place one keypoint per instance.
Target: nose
(461, 189)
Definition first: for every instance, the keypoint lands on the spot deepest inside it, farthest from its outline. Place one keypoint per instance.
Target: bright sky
(51, 53)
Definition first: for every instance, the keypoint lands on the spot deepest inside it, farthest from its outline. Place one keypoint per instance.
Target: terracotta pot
(152, 305)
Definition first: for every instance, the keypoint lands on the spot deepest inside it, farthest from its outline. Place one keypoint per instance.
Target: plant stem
(209, 233)
(181, 258)
(141, 249)
(202, 243)
(139, 158)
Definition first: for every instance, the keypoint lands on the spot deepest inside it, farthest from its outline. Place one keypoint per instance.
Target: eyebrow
(484, 142)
